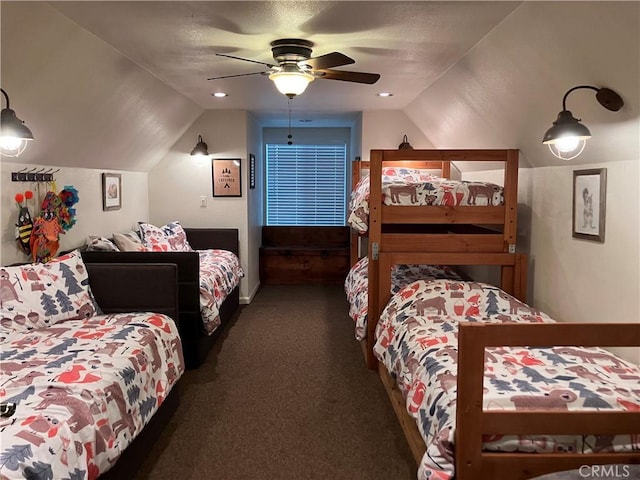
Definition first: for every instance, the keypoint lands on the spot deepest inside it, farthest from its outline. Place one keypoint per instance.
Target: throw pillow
(169, 237)
(41, 294)
(129, 242)
(100, 244)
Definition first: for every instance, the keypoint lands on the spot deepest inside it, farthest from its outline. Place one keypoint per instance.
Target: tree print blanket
(220, 273)
(83, 390)
(356, 283)
(417, 343)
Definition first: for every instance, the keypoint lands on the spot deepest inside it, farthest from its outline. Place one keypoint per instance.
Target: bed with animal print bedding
(356, 286)
(416, 340)
(83, 390)
(220, 273)
(405, 186)
(76, 385)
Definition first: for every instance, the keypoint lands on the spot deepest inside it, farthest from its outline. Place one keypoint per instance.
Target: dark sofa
(195, 342)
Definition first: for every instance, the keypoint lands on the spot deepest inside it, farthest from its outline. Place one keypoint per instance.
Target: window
(306, 184)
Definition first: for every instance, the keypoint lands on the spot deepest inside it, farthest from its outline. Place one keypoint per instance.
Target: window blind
(306, 184)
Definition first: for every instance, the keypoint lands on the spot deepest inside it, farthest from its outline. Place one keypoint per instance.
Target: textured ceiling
(410, 44)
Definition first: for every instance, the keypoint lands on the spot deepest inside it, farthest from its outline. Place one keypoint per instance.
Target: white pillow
(100, 244)
(41, 294)
(129, 242)
(169, 237)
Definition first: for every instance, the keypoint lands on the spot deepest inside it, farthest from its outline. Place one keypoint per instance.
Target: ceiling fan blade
(244, 59)
(345, 76)
(238, 75)
(330, 60)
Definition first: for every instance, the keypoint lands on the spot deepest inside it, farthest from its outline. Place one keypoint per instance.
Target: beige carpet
(284, 394)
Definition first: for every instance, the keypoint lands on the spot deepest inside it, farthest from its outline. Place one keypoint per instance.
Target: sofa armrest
(135, 287)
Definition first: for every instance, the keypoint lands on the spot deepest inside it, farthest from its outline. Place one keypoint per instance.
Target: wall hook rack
(34, 175)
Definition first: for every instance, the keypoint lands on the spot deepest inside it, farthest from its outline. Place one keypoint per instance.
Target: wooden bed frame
(450, 230)
(472, 422)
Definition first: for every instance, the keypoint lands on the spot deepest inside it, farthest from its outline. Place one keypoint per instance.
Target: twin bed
(208, 284)
(479, 379)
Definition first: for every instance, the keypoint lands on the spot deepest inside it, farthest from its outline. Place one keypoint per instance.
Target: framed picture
(226, 177)
(252, 170)
(111, 191)
(589, 204)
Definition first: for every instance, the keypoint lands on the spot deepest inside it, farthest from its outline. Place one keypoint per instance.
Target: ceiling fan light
(291, 83)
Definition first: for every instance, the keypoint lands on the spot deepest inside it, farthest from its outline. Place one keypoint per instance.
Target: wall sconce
(200, 148)
(567, 137)
(405, 145)
(14, 134)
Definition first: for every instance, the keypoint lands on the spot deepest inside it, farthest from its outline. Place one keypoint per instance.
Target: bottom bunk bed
(503, 391)
(356, 288)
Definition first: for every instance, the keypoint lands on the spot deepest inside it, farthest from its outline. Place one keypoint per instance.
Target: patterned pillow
(42, 294)
(129, 242)
(100, 244)
(169, 237)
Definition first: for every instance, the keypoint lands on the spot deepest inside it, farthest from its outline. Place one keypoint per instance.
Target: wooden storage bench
(291, 255)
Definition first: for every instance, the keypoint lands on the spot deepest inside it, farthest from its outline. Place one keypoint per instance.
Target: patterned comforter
(402, 186)
(416, 341)
(220, 273)
(356, 283)
(84, 389)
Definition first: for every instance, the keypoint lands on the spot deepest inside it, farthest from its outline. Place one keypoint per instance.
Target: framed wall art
(226, 177)
(252, 170)
(589, 204)
(111, 191)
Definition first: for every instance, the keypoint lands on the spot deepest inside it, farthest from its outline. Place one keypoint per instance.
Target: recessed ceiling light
(385, 94)
(219, 94)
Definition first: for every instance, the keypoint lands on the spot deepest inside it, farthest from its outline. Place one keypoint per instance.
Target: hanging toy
(24, 227)
(47, 229)
(67, 215)
(57, 216)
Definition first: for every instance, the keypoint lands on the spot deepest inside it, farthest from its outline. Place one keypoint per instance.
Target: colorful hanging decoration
(24, 227)
(57, 217)
(67, 214)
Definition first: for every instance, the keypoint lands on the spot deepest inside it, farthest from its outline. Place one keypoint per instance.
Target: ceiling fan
(295, 68)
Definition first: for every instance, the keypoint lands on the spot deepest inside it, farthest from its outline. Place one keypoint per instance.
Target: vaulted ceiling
(123, 80)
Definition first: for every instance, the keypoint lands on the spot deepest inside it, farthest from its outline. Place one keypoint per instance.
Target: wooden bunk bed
(451, 229)
(472, 422)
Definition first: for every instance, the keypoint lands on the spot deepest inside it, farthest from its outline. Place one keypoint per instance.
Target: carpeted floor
(284, 394)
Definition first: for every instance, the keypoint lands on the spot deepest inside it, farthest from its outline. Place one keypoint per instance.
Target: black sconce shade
(14, 134)
(567, 137)
(200, 148)
(405, 145)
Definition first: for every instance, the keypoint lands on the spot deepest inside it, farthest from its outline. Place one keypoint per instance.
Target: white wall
(87, 105)
(578, 280)
(179, 180)
(90, 218)
(255, 213)
(508, 89)
(384, 129)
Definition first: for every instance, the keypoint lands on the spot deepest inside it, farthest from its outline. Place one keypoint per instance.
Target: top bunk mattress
(414, 187)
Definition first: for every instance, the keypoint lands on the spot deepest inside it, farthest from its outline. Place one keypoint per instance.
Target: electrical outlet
(203, 201)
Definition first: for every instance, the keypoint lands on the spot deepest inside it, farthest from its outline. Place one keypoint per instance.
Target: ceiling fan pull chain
(289, 137)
